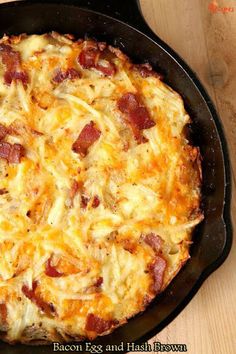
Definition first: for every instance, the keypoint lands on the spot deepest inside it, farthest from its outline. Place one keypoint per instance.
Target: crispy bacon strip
(145, 70)
(102, 46)
(157, 269)
(84, 201)
(97, 324)
(14, 75)
(154, 241)
(130, 104)
(3, 314)
(3, 191)
(11, 59)
(3, 131)
(136, 114)
(51, 270)
(69, 74)
(99, 282)
(11, 152)
(45, 307)
(107, 68)
(86, 138)
(90, 55)
(96, 201)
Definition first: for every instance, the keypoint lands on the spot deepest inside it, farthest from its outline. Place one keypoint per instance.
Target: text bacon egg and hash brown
(99, 188)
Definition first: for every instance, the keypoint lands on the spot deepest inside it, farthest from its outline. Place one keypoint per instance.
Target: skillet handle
(213, 257)
(128, 11)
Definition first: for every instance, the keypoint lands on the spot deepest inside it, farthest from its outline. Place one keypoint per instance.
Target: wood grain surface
(207, 42)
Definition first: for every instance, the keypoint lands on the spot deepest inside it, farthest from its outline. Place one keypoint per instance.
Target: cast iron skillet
(121, 23)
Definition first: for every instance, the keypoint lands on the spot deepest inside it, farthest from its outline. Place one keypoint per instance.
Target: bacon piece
(136, 114)
(5, 149)
(11, 59)
(157, 269)
(141, 118)
(130, 104)
(102, 46)
(17, 151)
(3, 191)
(84, 201)
(145, 70)
(154, 241)
(69, 74)
(45, 307)
(109, 69)
(99, 282)
(51, 271)
(3, 131)
(90, 55)
(14, 75)
(86, 138)
(3, 314)
(96, 202)
(12, 153)
(97, 324)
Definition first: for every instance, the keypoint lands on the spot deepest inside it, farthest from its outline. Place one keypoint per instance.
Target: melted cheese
(151, 187)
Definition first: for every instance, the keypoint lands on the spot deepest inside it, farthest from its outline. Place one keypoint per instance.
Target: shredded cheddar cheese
(79, 234)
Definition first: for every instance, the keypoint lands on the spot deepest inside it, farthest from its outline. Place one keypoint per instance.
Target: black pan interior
(211, 245)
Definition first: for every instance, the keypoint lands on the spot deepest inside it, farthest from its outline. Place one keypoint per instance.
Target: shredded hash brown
(99, 188)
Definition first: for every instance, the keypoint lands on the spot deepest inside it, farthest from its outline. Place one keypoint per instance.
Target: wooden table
(207, 41)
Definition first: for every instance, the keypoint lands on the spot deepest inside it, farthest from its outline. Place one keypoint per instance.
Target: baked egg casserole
(99, 188)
